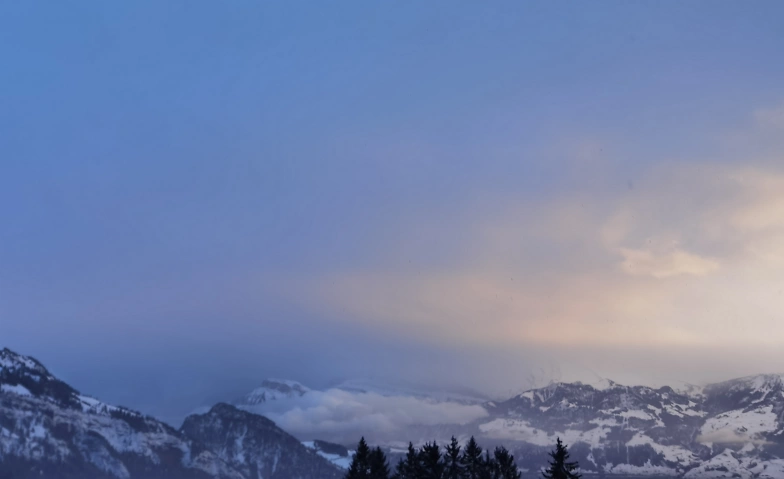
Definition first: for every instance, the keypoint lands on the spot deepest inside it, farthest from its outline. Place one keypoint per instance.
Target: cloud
(726, 436)
(694, 243)
(674, 263)
(690, 257)
(343, 416)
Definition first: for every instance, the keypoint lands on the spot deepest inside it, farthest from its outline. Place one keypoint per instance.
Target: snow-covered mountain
(255, 446)
(731, 429)
(334, 453)
(273, 390)
(49, 430)
(618, 429)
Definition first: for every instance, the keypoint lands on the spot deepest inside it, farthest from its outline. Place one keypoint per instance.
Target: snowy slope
(728, 429)
(334, 453)
(49, 430)
(255, 446)
(613, 429)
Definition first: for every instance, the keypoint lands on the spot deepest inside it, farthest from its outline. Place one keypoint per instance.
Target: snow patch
(645, 469)
(676, 454)
(519, 430)
(739, 426)
(343, 462)
(17, 389)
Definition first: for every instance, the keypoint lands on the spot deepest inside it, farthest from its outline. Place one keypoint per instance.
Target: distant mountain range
(49, 430)
(731, 429)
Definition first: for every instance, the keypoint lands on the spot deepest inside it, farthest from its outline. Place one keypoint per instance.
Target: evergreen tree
(410, 467)
(489, 467)
(471, 460)
(379, 467)
(560, 467)
(455, 462)
(431, 461)
(505, 465)
(360, 463)
(452, 466)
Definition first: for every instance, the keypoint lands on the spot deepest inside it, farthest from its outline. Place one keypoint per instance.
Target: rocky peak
(745, 393)
(24, 375)
(255, 446)
(273, 390)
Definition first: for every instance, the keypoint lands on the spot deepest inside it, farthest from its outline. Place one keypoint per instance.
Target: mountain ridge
(49, 430)
(731, 428)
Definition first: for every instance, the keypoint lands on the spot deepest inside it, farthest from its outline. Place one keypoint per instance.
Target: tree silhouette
(489, 468)
(368, 463)
(360, 463)
(452, 466)
(505, 465)
(431, 461)
(560, 467)
(471, 461)
(411, 466)
(379, 467)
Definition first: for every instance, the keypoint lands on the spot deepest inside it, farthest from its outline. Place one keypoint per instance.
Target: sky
(195, 196)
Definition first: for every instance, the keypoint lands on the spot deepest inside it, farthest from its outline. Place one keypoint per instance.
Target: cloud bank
(342, 416)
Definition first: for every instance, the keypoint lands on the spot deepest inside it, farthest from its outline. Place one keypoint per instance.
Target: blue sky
(195, 196)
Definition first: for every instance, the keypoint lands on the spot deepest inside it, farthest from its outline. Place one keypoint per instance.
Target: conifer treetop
(560, 467)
